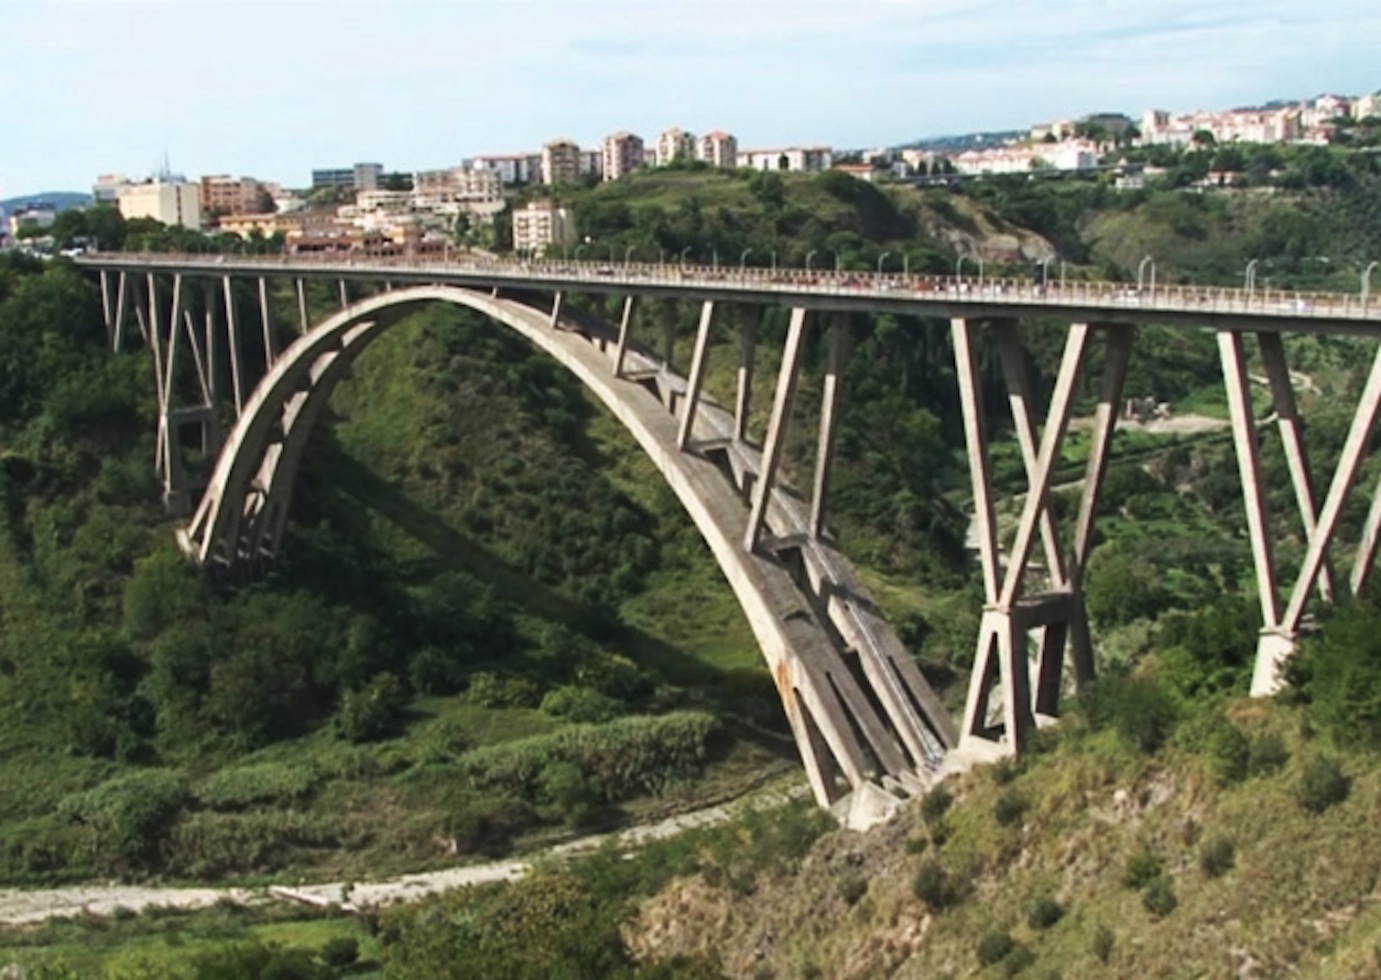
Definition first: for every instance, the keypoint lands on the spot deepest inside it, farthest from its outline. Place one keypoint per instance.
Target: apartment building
(512, 168)
(173, 202)
(675, 144)
(223, 194)
(540, 226)
(623, 153)
(718, 149)
(560, 162)
(807, 159)
(360, 177)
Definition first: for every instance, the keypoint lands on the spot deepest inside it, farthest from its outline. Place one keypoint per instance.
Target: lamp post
(626, 253)
(743, 258)
(881, 259)
(906, 264)
(714, 253)
(577, 251)
(1141, 273)
(959, 267)
(1249, 277)
(774, 261)
(838, 262)
(1045, 272)
(683, 256)
(809, 255)
(1366, 283)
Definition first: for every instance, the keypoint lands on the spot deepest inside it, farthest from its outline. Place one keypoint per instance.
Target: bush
(852, 888)
(1104, 939)
(1216, 856)
(1044, 912)
(1142, 868)
(1158, 897)
(933, 887)
(492, 691)
(993, 946)
(1018, 960)
(581, 704)
(1010, 807)
(371, 713)
(131, 814)
(1322, 784)
(935, 804)
(340, 951)
(1135, 706)
(266, 782)
(1268, 752)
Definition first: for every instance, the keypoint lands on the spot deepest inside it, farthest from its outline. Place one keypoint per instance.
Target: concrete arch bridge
(870, 730)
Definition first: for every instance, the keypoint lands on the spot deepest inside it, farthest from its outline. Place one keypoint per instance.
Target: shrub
(581, 704)
(265, 782)
(1010, 807)
(933, 887)
(916, 845)
(1044, 912)
(371, 713)
(1135, 706)
(1158, 897)
(993, 946)
(935, 804)
(1142, 868)
(340, 951)
(131, 814)
(492, 691)
(1268, 752)
(1018, 960)
(852, 888)
(1216, 856)
(1104, 939)
(1322, 784)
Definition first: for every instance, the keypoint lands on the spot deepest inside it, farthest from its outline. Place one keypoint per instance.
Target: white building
(675, 144)
(623, 153)
(1367, 106)
(540, 226)
(512, 168)
(718, 149)
(106, 190)
(175, 202)
(37, 216)
(808, 159)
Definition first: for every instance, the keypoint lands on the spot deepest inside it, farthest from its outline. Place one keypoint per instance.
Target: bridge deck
(928, 296)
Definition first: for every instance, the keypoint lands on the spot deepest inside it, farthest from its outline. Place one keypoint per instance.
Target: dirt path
(21, 907)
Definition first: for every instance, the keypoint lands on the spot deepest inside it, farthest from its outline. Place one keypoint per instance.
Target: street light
(714, 255)
(906, 264)
(1366, 283)
(838, 262)
(743, 258)
(882, 258)
(959, 267)
(1141, 273)
(1249, 277)
(809, 255)
(626, 253)
(774, 261)
(577, 251)
(683, 255)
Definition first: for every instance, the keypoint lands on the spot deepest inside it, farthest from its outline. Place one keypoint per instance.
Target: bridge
(869, 728)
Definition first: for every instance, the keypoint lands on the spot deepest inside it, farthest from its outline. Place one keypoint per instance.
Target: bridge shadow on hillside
(746, 700)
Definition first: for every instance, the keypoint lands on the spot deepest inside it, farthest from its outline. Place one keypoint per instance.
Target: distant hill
(965, 141)
(62, 200)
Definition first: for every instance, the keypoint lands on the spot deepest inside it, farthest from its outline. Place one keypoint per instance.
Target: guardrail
(1155, 298)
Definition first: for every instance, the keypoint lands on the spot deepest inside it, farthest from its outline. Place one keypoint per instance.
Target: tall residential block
(560, 162)
(623, 153)
(174, 202)
(718, 149)
(674, 144)
(222, 194)
(541, 225)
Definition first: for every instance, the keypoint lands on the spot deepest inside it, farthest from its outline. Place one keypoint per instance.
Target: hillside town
(365, 207)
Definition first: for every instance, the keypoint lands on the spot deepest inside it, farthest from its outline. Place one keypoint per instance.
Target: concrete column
(119, 312)
(344, 295)
(630, 305)
(1022, 402)
(1349, 464)
(198, 361)
(1249, 470)
(697, 375)
(1061, 405)
(302, 307)
(155, 343)
(965, 337)
(556, 305)
(829, 421)
(776, 429)
(1366, 550)
(270, 355)
(669, 342)
(747, 342)
(233, 342)
(1291, 428)
(107, 314)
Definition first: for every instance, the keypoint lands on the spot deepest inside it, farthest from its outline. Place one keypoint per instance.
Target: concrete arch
(867, 734)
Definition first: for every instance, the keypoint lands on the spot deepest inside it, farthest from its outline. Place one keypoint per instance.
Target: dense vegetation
(493, 619)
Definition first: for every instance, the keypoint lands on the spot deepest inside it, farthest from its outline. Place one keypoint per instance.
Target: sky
(274, 89)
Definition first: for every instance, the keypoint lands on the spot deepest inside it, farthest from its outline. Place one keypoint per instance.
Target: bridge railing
(799, 282)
